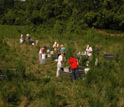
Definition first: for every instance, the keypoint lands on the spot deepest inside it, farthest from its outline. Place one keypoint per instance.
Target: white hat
(55, 43)
(61, 45)
(27, 34)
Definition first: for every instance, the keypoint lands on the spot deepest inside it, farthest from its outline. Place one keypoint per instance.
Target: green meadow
(35, 85)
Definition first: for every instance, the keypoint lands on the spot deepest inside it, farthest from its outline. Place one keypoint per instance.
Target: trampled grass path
(110, 34)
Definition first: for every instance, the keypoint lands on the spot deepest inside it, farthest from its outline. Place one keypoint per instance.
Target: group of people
(58, 48)
(73, 62)
(60, 51)
(27, 39)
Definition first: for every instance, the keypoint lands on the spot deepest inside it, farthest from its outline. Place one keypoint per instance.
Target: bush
(72, 27)
(83, 60)
(10, 17)
(90, 18)
(59, 27)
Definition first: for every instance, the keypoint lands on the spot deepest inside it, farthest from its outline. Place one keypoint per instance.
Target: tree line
(107, 14)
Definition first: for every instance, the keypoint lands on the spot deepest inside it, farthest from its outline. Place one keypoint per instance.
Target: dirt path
(111, 34)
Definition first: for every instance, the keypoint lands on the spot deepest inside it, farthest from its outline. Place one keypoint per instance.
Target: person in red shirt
(74, 67)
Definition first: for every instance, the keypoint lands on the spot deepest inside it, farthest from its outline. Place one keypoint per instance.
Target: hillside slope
(34, 84)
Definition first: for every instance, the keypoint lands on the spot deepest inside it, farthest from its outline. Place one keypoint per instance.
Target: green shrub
(59, 27)
(83, 60)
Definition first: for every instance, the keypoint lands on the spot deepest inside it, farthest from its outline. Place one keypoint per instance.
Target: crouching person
(74, 67)
(60, 64)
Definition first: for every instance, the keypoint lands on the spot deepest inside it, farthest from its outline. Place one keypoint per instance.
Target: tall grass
(32, 84)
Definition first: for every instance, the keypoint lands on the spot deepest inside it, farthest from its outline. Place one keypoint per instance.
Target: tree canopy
(107, 14)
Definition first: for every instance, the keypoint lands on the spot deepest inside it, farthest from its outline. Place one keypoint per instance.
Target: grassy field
(35, 85)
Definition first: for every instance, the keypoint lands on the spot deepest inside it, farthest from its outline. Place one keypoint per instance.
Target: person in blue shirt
(62, 49)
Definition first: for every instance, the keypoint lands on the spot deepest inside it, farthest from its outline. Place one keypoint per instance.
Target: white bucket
(48, 51)
(21, 40)
(36, 42)
(86, 70)
(51, 52)
(49, 55)
(43, 56)
(56, 60)
(66, 69)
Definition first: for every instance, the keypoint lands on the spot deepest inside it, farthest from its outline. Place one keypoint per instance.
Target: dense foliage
(106, 14)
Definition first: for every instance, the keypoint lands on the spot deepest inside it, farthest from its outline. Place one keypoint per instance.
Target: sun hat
(27, 34)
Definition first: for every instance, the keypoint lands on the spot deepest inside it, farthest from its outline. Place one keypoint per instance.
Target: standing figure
(55, 46)
(62, 49)
(60, 64)
(74, 67)
(58, 49)
(42, 55)
(89, 51)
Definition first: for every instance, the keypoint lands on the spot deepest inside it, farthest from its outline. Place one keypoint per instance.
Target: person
(28, 38)
(74, 67)
(55, 46)
(89, 51)
(62, 49)
(22, 36)
(60, 64)
(58, 49)
(21, 39)
(41, 59)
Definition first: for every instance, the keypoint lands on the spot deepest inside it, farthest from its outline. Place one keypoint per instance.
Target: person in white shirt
(21, 39)
(89, 51)
(22, 36)
(41, 59)
(60, 64)
(58, 49)
(55, 46)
